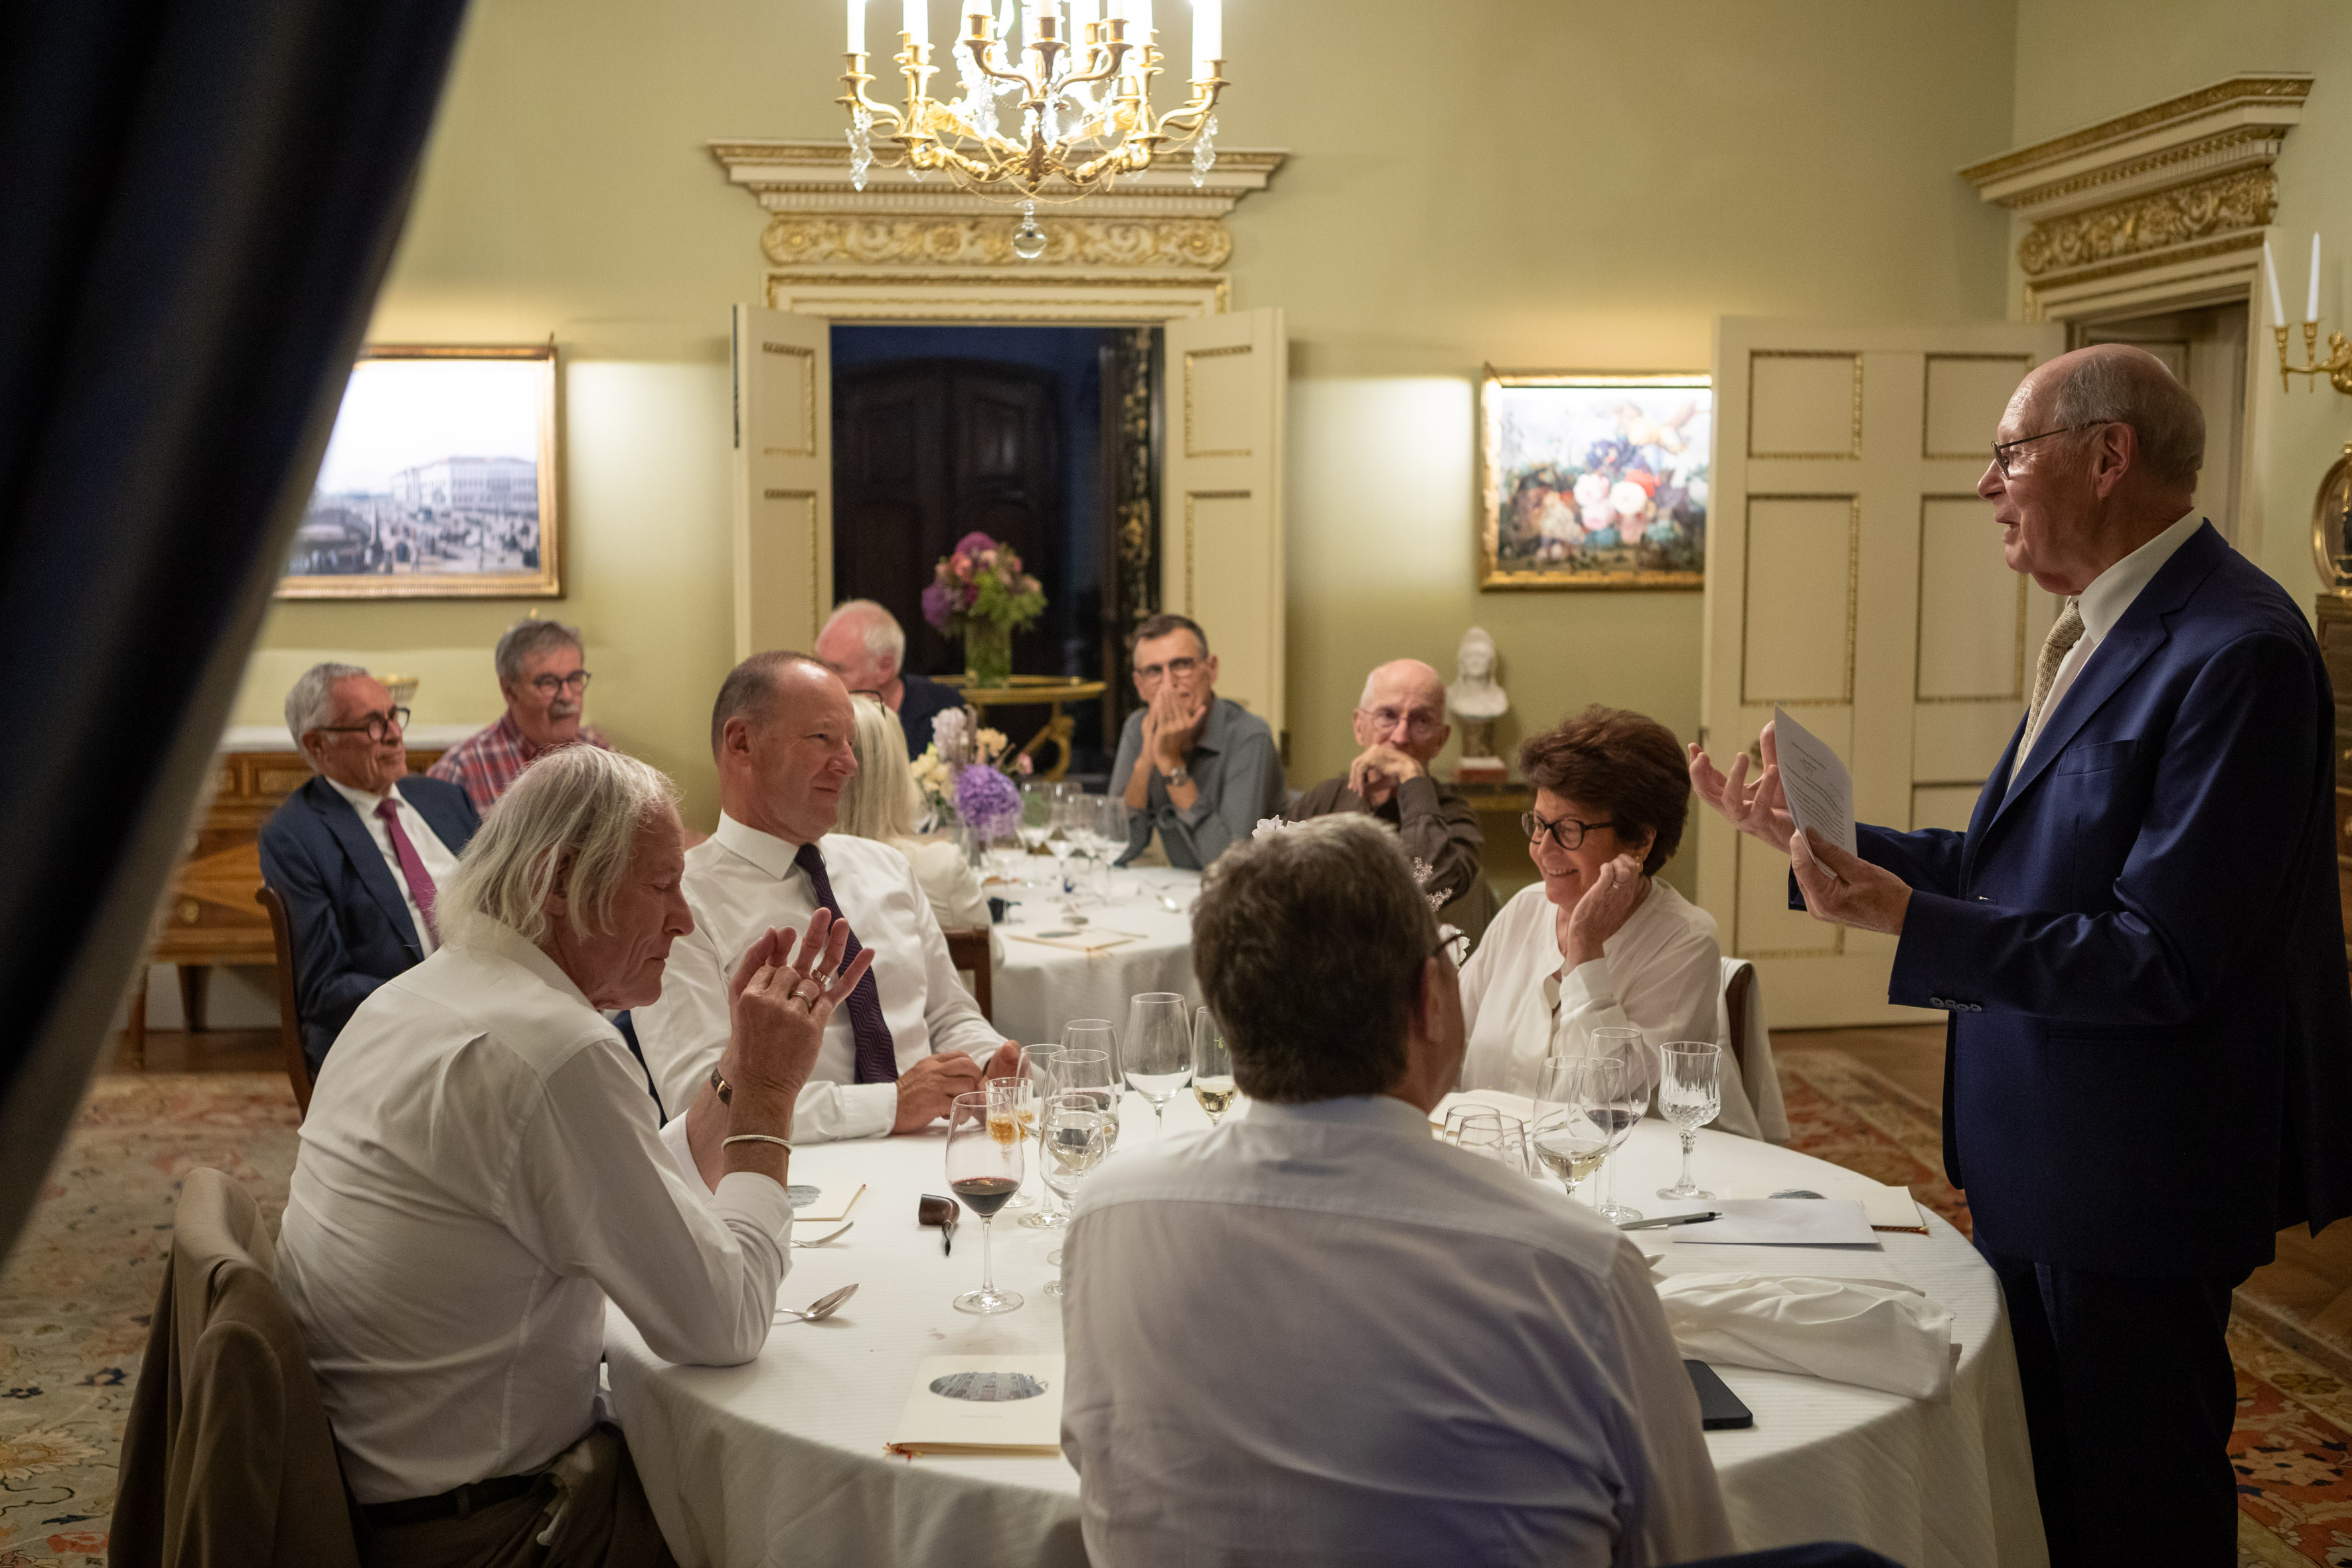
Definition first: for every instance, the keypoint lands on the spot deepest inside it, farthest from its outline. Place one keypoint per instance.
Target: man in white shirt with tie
(359, 853)
(911, 1038)
(1318, 1336)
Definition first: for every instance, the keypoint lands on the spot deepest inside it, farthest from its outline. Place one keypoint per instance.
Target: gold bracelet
(733, 1138)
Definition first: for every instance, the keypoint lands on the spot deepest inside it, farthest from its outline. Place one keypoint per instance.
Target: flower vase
(987, 653)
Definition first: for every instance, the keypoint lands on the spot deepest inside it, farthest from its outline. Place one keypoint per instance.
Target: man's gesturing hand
(1847, 889)
(779, 1003)
(930, 1086)
(1760, 809)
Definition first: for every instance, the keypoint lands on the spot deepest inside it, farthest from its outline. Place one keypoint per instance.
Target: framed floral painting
(1593, 480)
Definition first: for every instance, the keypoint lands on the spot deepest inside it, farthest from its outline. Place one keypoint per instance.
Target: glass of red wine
(984, 1155)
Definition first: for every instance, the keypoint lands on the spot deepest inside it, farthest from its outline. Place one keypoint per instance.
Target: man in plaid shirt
(538, 664)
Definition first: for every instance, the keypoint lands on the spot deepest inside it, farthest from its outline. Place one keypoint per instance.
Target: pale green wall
(2081, 62)
(1530, 182)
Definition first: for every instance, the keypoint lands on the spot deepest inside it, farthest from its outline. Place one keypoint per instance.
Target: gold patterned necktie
(2064, 633)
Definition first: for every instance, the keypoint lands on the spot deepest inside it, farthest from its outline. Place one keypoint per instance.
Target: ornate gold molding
(803, 240)
(903, 248)
(2241, 120)
(2120, 230)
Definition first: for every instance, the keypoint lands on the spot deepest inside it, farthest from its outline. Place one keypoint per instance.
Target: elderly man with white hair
(864, 644)
(477, 1178)
(359, 853)
(1400, 723)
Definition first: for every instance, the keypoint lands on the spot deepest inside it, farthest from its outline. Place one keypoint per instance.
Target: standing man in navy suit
(2139, 940)
(358, 853)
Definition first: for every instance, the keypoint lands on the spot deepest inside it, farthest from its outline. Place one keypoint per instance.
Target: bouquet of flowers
(963, 771)
(981, 594)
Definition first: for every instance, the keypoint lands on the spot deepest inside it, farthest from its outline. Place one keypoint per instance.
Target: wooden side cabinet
(209, 913)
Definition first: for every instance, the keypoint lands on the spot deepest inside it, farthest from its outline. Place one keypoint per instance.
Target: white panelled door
(783, 480)
(1856, 577)
(1221, 508)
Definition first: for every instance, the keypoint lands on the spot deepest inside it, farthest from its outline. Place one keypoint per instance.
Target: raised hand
(1759, 809)
(1375, 774)
(1601, 910)
(781, 1001)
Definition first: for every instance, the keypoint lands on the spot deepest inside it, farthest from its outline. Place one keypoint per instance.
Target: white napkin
(1874, 1333)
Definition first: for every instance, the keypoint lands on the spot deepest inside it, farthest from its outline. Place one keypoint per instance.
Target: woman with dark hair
(1599, 943)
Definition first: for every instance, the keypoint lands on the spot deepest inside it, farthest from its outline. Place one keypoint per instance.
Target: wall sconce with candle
(2337, 366)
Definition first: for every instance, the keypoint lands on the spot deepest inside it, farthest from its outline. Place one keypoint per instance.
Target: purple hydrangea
(987, 800)
(973, 544)
(935, 606)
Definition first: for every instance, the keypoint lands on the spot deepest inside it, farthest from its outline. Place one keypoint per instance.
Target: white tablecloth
(1039, 988)
(782, 1460)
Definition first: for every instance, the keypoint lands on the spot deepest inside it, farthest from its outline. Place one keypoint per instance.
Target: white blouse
(1661, 974)
(947, 881)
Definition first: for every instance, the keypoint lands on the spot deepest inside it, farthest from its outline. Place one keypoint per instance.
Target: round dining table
(782, 1460)
(1067, 957)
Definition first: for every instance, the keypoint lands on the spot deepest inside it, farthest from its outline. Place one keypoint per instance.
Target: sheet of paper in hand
(1820, 790)
(982, 1405)
(1781, 1222)
(823, 1202)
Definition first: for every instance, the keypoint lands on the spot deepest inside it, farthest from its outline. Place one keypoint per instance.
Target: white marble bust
(1477, 699)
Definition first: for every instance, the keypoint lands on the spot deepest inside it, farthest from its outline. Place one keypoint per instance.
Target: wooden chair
(970, 950)
(289, 1013)
(1739, 996)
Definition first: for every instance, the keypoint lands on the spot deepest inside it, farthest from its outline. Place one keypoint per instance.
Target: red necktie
(411, 868)
(877, 1061)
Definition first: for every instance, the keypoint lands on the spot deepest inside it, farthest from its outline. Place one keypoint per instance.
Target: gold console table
(1033, 691)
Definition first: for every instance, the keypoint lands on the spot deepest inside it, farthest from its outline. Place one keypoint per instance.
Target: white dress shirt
(741, 883)
(477, 1176)
(1661, 974)
(2101, 606)
(439, 863)
(1317, 1335)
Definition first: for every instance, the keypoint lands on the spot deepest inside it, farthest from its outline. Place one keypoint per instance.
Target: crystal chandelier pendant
(1204, 153)
(861, 148)
(1028, 240)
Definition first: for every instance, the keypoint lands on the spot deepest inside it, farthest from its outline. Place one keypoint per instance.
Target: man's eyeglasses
(549, 685)
(378, 728)
(1415, 722)
(1179, 667)
(1568, 832)
(2001, 449)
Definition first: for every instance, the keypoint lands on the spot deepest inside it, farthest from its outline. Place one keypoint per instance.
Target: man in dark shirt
(1400, 725)
(864, 644)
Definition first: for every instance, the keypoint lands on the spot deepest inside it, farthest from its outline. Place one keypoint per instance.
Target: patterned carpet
(76, 1296)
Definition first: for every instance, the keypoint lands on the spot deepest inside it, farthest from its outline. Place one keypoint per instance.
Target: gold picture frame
(1593, 478)
(426, 467)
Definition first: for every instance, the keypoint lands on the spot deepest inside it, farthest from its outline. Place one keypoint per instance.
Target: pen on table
(1671, 1219)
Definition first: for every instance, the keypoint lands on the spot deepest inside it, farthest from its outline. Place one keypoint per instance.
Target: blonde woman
(880, 802)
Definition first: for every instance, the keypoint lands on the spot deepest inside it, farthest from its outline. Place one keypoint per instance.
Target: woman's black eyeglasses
(1568, 832)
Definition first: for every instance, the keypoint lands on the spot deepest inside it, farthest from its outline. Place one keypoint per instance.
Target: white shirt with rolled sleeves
(1662, 974)
(1318, 1336)
(741, 883)
(477, 1176)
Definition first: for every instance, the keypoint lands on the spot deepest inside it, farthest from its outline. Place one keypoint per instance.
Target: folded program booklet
(982, 1405)
(811, 1203)
(1097, 940)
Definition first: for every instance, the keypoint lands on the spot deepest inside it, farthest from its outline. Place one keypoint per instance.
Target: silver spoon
(828, 1235)
(1171, 905)
(823, 1306)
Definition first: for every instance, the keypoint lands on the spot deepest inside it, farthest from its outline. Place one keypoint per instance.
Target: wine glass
(1492, 1135)
(1566, 1138)
(1690, 1094)
(1060, 839)
(1158, 1057)
(1020, 1092)
(1036, 1065)
(984, 1147)
(1037, 821)
(1110, 827)
(1624, 1110)
(1212, 1068)
(1075, 1136)
(1082, 1069)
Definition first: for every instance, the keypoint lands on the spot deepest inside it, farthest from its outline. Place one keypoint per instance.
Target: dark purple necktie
(878, 1062)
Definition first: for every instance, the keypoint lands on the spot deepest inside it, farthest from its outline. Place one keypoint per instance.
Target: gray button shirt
(1238, 771)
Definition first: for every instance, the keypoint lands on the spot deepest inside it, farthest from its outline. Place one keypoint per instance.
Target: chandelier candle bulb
(2311, 305)
(856, 27)
(915, 21)
(2269, 274)
(1208, 37)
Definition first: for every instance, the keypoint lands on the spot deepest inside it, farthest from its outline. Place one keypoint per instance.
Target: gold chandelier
(1078, 89)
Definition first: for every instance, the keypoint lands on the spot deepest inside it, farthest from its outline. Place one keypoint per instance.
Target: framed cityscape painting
(1593, 480)
(439, 480)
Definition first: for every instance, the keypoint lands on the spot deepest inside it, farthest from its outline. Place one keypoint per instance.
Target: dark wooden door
(926, 451)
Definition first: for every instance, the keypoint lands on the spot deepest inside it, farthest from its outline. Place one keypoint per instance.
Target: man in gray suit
(1199, 772)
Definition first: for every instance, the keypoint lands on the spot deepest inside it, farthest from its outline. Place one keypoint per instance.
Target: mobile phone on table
(1720, 1409)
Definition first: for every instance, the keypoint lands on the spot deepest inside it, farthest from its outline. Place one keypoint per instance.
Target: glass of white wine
(1020, 1092)
(1212, 1068)
(1075, 1137)
(1158, 1054)
(1567, 1138)
(1037, 1066)
(1690, 1094)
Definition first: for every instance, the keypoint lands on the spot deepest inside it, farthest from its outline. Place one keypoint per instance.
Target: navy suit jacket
(350, 921)
(918, 704)
(2140, 943)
